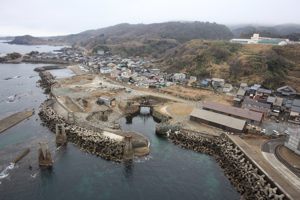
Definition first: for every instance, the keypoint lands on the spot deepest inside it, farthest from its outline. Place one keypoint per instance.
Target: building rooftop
(296, 102)
(217, 118)
(264, 91)
(286, 90)
(278, 101)
(234, 111)
(255, 103)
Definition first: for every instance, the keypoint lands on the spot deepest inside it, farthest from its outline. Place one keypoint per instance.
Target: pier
(14, 119)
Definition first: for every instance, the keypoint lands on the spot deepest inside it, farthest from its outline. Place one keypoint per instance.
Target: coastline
(244, 174)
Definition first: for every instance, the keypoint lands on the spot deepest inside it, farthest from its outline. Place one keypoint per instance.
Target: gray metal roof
(295, 109)
(217, 118)
(233, 111)
(296, 102)
(286, 90)
(255, 103)
(265, 91)
(271, 99)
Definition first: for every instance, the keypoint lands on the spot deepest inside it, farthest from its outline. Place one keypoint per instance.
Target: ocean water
(169, 172)
(10, 48)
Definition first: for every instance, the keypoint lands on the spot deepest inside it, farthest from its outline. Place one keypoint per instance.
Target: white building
(105, 70)
(179, 77)
(256, 39)
(293, 140)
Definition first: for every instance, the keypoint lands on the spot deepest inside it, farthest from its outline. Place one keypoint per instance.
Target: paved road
(274, 170)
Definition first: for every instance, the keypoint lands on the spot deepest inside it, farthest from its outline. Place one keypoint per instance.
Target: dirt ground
(197, 94)
(179, 109)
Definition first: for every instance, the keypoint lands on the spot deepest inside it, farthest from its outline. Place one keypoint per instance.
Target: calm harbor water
(169, 172)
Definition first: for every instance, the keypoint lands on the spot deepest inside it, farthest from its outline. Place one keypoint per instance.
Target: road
(275, 170)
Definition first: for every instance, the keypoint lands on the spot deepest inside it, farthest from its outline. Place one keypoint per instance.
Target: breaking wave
(4, 173)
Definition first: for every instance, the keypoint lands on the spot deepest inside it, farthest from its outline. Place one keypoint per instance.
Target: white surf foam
(4, 173)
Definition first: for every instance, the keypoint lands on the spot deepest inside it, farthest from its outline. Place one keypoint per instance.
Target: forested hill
(180, 31)
(290, 31)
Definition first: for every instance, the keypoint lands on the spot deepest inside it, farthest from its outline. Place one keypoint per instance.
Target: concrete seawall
(90, 141)
(248, 179)
(14, 119)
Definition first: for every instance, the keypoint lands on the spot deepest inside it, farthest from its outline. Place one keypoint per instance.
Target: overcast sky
(56, 17)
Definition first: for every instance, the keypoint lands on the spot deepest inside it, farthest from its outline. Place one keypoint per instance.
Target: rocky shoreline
(89, 141)
(244, 175)
(46, 81)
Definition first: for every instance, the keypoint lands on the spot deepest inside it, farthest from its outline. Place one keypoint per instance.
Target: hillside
(271, 66)
(145, 39)
(290, 31)
(28, 40)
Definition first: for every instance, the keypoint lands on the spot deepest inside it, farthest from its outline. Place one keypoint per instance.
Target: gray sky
(56, 17)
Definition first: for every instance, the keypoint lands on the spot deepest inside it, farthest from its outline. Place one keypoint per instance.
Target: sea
(168, 172)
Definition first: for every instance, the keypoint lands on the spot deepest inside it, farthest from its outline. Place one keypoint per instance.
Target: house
(263, 92)
(241, 93)
(239, 96)
(115, 73)
(204, 83)
(240, 113)
(100, 52)
(276, 104)
(105, 100)
(154, 71)
(286, 91)
(262, 95)
(218, 120)
(287, 105)
(217, 82)
(227, 88)
(105, 70)
(179, 77)
(243, 85)
(256, 106)
(295, 112)
(255, 87)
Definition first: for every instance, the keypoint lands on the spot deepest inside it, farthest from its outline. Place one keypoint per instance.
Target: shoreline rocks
(249, 181)
(46, 81)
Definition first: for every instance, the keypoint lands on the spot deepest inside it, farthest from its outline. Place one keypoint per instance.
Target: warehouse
(218, 120)
(250, 116)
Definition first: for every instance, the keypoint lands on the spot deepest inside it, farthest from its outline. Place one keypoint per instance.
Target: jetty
(14, 119)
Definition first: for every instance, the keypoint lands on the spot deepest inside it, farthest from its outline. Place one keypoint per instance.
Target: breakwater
(93, 142)
(14, 119)
(46, 81)
(244, 175)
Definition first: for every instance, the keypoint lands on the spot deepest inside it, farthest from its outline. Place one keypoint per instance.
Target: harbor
(154, 172)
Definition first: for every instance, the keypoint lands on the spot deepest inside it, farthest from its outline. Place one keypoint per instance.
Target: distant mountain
(28, 40)
(7, 38)
(180, 31)
(145, 39)
(290, 31)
